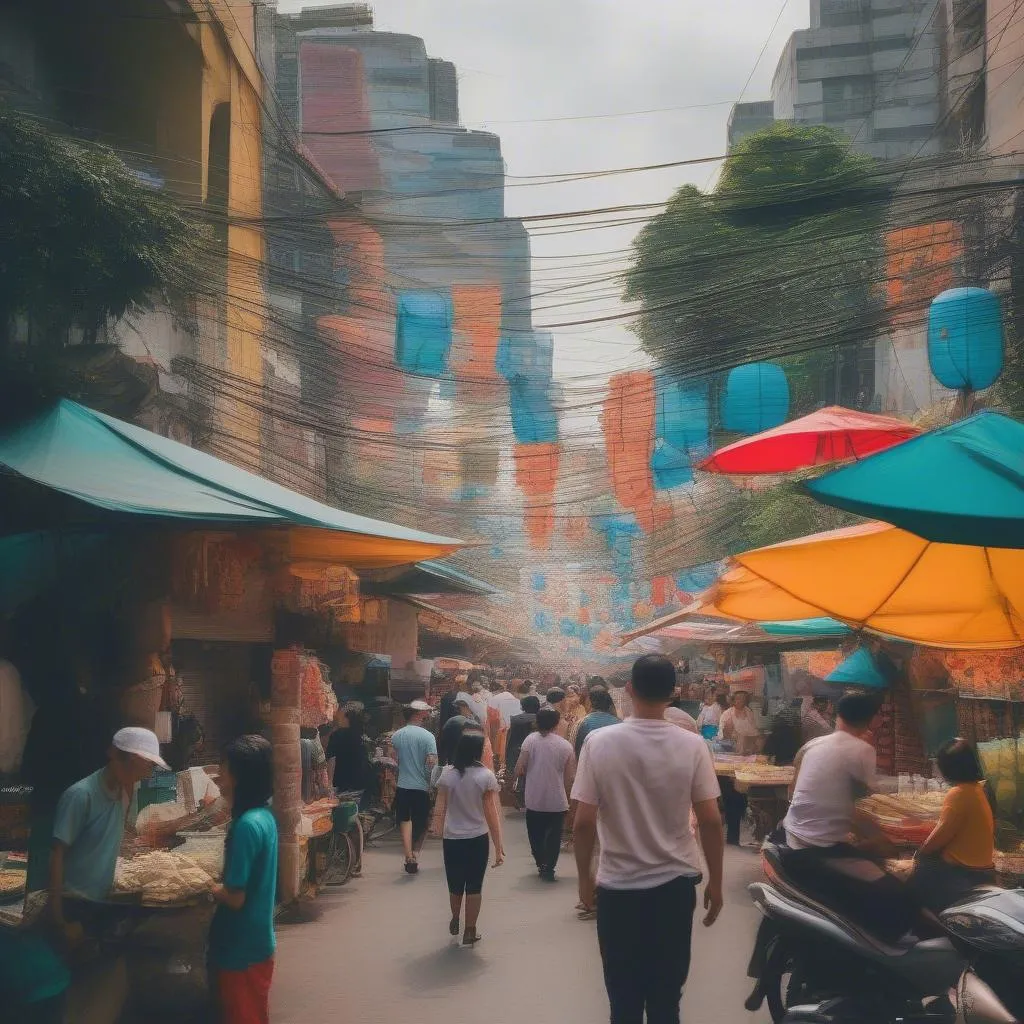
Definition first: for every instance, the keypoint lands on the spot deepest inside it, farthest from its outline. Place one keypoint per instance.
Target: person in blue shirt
(87, 832)
(416, 750)
(602, 713)
(242, 941)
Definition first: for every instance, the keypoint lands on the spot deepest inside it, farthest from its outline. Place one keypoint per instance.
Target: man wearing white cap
(89, 825)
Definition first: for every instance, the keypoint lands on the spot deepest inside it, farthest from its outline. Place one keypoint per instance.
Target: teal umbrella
(962, 484)
(859, 669)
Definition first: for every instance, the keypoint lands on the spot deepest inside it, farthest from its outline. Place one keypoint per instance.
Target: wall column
(285, 700)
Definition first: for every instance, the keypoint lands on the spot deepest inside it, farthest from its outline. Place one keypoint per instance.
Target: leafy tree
(783, 258)
(83, 240)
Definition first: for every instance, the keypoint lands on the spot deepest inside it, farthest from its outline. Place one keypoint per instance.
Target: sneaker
(411, 867)
(548, 874)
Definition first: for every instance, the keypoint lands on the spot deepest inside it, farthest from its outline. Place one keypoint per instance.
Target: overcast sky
(528, 65)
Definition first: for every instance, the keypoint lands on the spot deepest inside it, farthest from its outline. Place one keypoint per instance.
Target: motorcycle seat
(775, 857)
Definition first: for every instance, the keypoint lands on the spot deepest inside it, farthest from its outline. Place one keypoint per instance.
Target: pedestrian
(680, 718)
(636, 785)
(815, 718)
(242, 941)
(416, 750)
(602, 713)
(468, 810)
(739, 726)
(353, 772)
(507, 706)
(710, 715)
(546, 763)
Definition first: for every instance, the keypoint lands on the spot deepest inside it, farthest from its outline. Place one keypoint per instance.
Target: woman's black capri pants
(465, 861)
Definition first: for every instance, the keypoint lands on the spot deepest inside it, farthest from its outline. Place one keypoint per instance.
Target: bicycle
(379, 821)
(344, 848)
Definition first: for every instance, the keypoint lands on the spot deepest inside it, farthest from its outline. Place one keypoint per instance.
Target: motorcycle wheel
(786, 986)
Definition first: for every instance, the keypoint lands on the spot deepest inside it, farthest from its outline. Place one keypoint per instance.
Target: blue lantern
(965, 338)
(756, 398)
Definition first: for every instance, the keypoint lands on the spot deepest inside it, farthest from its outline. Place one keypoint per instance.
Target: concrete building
(747, 118)
(869, 68)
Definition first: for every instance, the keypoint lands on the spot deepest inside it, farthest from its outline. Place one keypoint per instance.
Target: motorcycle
(814, 966)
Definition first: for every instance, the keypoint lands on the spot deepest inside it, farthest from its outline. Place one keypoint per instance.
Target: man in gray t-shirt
(547, 764)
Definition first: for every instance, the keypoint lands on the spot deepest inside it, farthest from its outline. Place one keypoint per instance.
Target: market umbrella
(829, 435)
(962, 484)
(881, 578)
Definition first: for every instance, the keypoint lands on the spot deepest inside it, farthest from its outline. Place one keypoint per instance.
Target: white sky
(526, 66)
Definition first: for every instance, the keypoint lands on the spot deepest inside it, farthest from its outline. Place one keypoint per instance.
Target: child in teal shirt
(242, 941)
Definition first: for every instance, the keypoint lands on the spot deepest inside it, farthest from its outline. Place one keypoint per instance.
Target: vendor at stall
(710, 715)
(88, 829)
(959, 854)
(739, 725)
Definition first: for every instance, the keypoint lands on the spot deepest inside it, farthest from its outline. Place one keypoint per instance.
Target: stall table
(767, 790)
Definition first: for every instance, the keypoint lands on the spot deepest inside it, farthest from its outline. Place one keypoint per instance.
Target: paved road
(378, 950)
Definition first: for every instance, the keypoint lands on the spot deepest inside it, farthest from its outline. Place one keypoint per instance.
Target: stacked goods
(162, 878)
(765, 775)
(906, 820)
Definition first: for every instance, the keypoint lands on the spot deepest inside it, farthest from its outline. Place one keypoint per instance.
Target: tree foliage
(83, 240)
(782, 258)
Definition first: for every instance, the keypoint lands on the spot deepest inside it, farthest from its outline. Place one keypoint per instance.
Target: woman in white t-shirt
(467, 796)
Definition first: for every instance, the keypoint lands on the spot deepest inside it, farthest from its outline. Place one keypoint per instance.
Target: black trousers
(845, 879)
(735, 806)
(645, 949)
(545, 831)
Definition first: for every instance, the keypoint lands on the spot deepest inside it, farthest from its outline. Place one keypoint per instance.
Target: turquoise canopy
(962, 484)
(859, 669)
(116, 466)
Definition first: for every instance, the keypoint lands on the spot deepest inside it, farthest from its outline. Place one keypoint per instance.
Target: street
(378, 950)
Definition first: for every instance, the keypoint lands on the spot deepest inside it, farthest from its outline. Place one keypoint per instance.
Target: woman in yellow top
(958, 856)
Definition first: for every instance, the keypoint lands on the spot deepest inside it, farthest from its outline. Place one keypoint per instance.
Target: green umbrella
(962, 484)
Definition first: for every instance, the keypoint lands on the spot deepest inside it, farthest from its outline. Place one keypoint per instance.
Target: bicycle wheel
(340, 858)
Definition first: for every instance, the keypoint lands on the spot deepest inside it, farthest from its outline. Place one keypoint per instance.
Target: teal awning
(122, 468)
(809, 628)
(962, 484)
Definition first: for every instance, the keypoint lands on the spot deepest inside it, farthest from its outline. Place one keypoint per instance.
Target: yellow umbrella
(881, 578)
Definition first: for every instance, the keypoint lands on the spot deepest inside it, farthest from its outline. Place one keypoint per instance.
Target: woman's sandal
(453, 926)
(470, 937)
(586, 913)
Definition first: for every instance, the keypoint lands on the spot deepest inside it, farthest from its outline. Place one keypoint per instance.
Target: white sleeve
(705, 782)
(585, 788)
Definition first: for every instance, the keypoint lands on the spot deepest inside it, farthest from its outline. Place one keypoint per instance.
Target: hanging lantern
(965, 338)
(756, 398)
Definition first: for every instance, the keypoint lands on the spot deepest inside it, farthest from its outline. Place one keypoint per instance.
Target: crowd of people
(635, 795)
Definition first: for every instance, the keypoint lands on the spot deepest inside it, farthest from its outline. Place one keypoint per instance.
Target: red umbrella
(829, 435)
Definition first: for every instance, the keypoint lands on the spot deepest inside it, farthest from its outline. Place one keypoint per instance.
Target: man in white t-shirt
(832, 773)
(546, 762)
(635, 786)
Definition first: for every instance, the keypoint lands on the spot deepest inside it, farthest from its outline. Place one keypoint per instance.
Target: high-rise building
(747, 118)
(869, 68)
